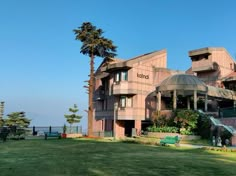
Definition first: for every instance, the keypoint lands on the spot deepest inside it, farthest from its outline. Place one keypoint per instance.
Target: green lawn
(90, 157)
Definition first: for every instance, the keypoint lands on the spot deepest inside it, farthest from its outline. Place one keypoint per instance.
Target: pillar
(137, 126)
(206, 100)
(114, 119)
(188, 102)
(174, 100)
(195, 99)
(159, 101)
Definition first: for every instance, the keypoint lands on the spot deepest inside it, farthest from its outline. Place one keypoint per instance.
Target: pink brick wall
(137, 125)
(120, 130)
(97, 125)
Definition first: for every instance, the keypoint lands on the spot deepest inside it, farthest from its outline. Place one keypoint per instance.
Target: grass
(84, 157)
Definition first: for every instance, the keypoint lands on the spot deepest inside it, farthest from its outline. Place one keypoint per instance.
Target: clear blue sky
(42, 70)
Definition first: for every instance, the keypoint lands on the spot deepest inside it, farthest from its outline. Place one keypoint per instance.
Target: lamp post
(114, 120)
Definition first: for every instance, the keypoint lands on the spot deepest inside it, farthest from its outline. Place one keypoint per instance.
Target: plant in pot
(63, 135)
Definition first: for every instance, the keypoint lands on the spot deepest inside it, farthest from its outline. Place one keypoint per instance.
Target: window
(124, 75)
(121, 76)
(125, 101)
(117, 77)
(122, 101)
(129, 102)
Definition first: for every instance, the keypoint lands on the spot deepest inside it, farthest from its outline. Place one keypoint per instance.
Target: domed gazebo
(182, 84)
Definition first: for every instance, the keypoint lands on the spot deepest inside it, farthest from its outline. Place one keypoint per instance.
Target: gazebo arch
(182, 84)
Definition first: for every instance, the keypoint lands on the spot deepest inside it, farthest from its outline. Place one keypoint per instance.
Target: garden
(187, 123)
(100, 157)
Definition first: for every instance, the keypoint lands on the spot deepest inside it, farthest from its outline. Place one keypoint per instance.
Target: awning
(221, 93)
(101, 75)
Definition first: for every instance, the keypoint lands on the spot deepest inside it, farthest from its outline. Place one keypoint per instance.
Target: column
(159, 101)
(114, 120)
(206, 100)
(188, 102)
(137, 126)
(174, 100)
(195, 99)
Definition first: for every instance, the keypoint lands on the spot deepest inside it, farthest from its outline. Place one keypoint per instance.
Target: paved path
(201, 146)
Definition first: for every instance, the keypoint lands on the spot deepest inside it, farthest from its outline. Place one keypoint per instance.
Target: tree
(17, 119)
(93, 45)
(73, 118)
(1, 113)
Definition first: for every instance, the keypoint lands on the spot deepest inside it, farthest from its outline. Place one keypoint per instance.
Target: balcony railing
(203, 65)
(124, 87)
(104, 114)
(126, 113)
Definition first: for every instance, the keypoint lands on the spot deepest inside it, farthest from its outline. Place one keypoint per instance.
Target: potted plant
(63, 135)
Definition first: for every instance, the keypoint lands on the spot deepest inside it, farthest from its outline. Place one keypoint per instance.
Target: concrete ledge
(74, 135)
(183, 137)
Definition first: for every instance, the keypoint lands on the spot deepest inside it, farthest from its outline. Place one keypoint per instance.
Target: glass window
(129, 102)
(117, 77)
(121, 76)
(124, 76)
(122, 101)
(125, 101)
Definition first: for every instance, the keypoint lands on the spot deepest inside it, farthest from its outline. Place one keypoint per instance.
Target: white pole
(114, 120)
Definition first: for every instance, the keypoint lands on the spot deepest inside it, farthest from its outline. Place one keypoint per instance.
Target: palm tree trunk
(91, 88)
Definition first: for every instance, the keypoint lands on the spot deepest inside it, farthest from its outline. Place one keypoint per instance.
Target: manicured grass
(93, 157)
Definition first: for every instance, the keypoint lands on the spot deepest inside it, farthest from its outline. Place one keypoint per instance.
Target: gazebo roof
(182, 82)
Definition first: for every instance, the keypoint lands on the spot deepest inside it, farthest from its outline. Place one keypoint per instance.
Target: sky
(41, 67)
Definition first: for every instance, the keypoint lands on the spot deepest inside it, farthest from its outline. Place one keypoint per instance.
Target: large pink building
(123, 97)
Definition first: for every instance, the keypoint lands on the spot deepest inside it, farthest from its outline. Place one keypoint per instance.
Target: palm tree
(93, 45)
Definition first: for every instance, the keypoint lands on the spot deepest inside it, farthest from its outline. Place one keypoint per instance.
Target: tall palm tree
(93, 45)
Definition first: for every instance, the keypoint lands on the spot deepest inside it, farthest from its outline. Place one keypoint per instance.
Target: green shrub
(185, 131)
(203, 126)
(187, 119)
(165, 129)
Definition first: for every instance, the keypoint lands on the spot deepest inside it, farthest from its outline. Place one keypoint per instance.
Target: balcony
(204, 65)
(104, 114)
(125, 88)
(126, 113)
(99, 93)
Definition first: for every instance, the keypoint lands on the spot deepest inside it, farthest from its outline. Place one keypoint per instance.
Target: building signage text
(140, 75)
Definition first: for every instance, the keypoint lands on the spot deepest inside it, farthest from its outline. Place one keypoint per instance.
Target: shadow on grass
(85, 156)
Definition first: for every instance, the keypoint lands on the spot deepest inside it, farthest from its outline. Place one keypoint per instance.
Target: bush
(185, 131)
(203, 126)
(165, 129)
(225, 135)
(187, 119)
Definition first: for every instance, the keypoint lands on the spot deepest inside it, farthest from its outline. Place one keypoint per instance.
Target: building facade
(123, 98)
(211, 65)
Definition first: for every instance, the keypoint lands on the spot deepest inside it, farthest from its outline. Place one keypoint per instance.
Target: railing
(124, 87)
(69, 129)
(203, 65)
(227, 112)
(125, 113)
